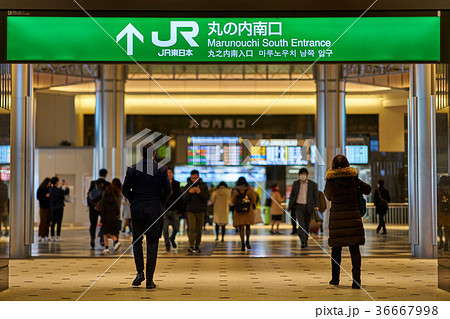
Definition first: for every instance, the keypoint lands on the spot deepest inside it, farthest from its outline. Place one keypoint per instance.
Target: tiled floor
(195, 278)
(64, 271)
(75, 243)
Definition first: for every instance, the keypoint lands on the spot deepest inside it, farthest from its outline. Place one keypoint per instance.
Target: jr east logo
(189, 30)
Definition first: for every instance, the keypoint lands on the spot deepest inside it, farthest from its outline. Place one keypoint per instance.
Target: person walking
(126, 215)
(110, 214)
(4, 203)
(172, 217)
(304, 199)
(45, 214)
(243, 198)
(196, 198)
(221, 197)
(345, 225)
(443, 212)
(57, 194)
(94, 197)
(276, 211)
(147, 188)
(381, 199)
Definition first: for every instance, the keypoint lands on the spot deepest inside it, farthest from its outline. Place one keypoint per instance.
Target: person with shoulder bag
(381, 199)
(243, 198)
(345, 224)
(94, 197)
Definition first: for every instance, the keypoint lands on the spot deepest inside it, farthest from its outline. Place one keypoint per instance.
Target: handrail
(398, 213)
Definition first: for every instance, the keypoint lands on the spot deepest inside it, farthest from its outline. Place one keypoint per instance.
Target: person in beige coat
(221, 198)
(276, 211)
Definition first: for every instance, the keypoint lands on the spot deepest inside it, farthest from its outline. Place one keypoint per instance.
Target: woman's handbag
(361, 201)
(257, 219)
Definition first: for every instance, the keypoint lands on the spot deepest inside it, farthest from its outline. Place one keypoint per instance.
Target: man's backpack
(242, 203)
(95, 194)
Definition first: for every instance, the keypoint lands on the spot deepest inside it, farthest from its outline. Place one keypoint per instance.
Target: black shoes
(150, 284)
(242, 247)
(356, 284)
(334, 282)
(304, 245)
(168, 248)
(92, 244)
(174, 245)
(248, 245)
(139, 279)
(195, 250)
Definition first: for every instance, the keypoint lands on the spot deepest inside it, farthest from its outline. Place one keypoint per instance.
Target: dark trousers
(304, 221)
(336, 253)
(45, 217)
(195, 228)
(152, 254)
(381, 222)
(93, 219)
(57, 216)
(294, 222)
(144, 222)
(171, 218)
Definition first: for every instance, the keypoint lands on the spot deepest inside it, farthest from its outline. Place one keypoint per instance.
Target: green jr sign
(79, 39)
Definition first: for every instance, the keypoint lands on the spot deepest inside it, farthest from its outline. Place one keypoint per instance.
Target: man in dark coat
(196, 198)
(147, 188)
(303, 201)
(172, 217)
(381, 199)
(97, 187)
(345, 224)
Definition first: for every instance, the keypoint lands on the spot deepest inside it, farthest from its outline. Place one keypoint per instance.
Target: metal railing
(397, 214)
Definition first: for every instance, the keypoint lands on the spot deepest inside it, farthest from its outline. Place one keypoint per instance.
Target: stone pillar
(110, 121)
(422, 162)
(22, 162)
(330, 121)
(330, 118)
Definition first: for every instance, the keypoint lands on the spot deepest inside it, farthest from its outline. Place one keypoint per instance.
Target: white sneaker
(57, 238)
(116, 245)
(45, 239)
(41, 239)
(105, 251)
(53, 239)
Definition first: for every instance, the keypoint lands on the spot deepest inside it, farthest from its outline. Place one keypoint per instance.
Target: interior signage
(228, 40)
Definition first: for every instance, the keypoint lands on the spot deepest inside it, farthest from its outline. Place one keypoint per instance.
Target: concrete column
(330, 121)
(22, 162)
(422, 162)
(110, 121)
(330, 118)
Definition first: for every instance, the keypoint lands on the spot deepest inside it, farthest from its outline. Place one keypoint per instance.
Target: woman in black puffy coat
(345, 224)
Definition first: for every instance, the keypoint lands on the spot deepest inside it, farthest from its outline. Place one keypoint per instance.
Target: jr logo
(174, 25)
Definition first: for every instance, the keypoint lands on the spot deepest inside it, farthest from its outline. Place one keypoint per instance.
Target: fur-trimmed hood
(341, 172)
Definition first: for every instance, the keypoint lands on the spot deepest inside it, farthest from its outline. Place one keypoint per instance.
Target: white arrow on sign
(129, 31)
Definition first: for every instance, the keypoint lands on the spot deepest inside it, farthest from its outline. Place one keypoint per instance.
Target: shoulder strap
(379, 194)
